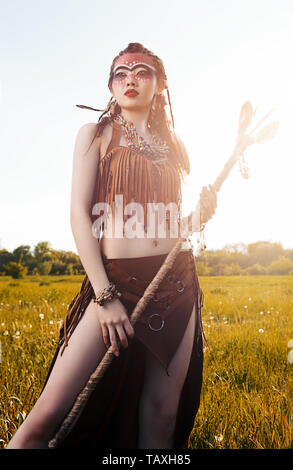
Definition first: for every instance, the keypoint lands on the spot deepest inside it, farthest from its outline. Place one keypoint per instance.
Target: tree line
(261, 258)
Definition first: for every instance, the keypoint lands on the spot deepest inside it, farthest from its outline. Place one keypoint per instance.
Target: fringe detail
(75, 311)
(138, 179)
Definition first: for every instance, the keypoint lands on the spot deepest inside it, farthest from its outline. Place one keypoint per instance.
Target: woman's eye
(143, 73)
(120, 75)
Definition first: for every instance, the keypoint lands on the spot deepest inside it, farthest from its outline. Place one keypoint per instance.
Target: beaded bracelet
(107, 295)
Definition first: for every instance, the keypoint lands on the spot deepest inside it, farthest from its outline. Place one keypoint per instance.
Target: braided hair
(158, 120)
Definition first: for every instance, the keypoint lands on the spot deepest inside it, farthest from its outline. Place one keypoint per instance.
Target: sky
(217, 55)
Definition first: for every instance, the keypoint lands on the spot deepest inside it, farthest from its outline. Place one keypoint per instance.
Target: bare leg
(161, 394)
(68, 377)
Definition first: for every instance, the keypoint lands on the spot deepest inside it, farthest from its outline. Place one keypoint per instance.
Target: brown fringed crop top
(127, 172)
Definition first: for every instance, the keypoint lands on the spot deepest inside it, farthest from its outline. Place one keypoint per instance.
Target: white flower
(261, 313)
(219, 438)
(261, 330)
(41, 316)
(6, 333)
(51, 322)
(245, 306)
(290, 356)
(290, 343)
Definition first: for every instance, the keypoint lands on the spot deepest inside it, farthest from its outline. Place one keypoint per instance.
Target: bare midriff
(135, 247)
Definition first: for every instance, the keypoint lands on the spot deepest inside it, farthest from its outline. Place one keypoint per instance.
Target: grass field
(247, 392)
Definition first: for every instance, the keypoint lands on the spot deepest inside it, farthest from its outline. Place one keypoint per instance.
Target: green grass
(247, 390)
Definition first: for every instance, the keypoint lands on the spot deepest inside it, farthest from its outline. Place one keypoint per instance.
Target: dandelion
(219, 438)
(261, 313)
(245, 306)
(261, 330)
(41, 316)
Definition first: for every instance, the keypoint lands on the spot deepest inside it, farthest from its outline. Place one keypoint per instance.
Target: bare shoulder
(87, 142)
(86, 136)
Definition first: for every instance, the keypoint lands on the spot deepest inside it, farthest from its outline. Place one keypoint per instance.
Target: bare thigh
(71, 371)
(160, 391)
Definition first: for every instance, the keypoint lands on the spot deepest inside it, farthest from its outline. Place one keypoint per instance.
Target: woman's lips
(131, 93)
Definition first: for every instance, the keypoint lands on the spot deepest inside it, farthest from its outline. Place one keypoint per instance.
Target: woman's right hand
(114, 321)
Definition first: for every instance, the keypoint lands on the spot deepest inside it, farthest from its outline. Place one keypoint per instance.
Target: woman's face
(135, 88)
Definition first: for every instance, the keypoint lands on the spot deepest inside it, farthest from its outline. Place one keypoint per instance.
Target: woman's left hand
(208, 203)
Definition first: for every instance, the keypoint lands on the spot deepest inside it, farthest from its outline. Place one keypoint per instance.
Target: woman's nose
(131, 79)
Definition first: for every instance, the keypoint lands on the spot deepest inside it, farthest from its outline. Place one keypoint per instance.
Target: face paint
(142, 74)
(132, 59)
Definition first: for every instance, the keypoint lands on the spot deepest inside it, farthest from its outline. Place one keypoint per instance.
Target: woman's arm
(84, 173)
(113, 315)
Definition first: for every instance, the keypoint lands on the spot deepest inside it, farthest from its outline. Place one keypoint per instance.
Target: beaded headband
(133, 59)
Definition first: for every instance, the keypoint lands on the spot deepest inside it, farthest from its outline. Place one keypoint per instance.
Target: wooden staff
(243, 140)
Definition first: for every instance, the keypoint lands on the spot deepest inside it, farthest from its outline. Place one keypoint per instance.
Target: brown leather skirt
(110, 417)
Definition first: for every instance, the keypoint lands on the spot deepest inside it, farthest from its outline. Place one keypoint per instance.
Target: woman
(150, 394)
